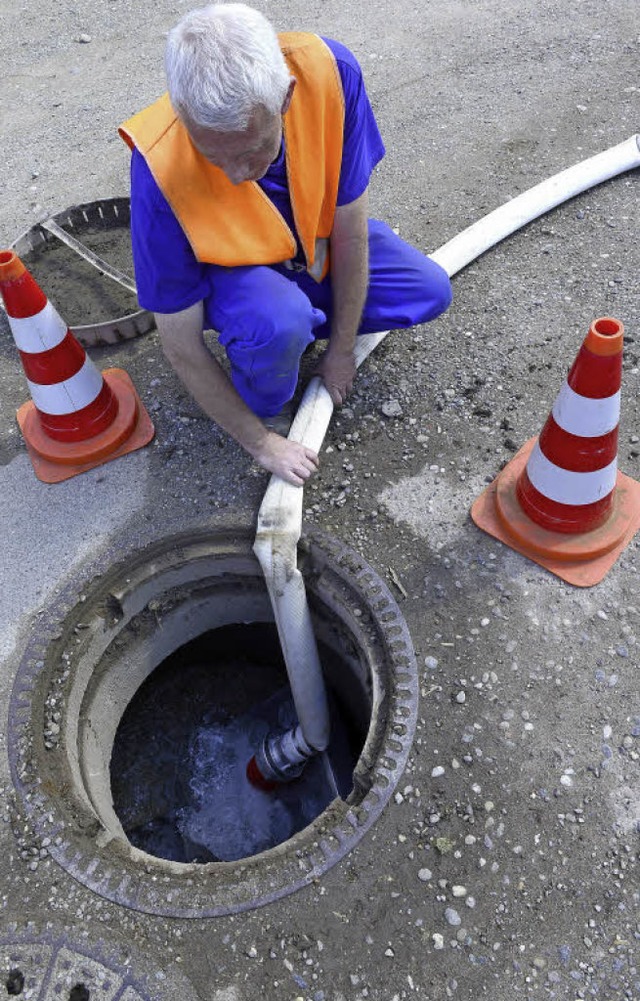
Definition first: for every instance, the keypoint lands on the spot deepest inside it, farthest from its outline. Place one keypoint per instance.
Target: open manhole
(145, 689)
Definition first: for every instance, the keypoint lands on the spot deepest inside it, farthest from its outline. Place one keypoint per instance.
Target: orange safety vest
(232, 225)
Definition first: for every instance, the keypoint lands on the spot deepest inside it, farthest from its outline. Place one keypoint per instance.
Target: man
(249, 216)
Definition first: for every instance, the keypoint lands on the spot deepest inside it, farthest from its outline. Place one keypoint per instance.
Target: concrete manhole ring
(73, 685)
(39, 964)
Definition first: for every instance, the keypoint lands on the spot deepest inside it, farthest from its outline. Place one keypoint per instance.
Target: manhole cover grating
(46, 965)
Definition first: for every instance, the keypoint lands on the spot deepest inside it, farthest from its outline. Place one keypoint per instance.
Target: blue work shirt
(169, 277)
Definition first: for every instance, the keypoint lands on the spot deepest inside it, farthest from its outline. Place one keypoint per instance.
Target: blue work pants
(267, 316)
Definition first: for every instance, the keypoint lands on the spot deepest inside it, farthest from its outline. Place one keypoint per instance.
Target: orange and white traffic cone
(561, 500)
(77, 417)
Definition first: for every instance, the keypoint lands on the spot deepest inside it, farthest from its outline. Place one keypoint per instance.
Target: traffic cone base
(581, 559)
(54, 461)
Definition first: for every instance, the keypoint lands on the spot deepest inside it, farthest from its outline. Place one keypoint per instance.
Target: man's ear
(288, 96)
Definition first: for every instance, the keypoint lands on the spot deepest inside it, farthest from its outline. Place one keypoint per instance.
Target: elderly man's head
(230, 85)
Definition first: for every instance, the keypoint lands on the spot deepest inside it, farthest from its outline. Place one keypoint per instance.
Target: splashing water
(228, 815)
(178, 768)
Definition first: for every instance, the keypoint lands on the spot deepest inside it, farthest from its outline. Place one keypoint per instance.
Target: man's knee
(431, 291)
(441, 292)
(406, 287)
(287, 322)
(264, 322)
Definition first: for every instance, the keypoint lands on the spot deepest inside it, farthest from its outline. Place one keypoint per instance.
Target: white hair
(223, 62)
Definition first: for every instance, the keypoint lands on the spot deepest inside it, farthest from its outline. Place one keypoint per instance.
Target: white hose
(485, 233)
(280, 515)
(279, 528)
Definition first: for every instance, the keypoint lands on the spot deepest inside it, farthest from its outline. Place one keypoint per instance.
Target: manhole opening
(178, 764)
(125, 656)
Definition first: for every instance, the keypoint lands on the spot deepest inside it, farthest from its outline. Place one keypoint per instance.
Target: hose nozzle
(281, 758)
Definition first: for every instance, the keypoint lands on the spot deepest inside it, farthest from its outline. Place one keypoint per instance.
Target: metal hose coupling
(283, 755)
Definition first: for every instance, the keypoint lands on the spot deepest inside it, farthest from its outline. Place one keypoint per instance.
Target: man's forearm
(198, 370)
(349, 282)
(349, 271)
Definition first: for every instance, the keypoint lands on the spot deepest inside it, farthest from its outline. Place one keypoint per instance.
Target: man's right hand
(290, 460)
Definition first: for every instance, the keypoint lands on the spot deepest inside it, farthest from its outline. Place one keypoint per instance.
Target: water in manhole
(146, 687)
(178, 768)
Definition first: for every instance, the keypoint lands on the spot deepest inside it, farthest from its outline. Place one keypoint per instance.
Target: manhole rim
(316, 849)
(102, 333)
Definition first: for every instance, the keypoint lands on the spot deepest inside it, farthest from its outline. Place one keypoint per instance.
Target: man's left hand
(337, 368)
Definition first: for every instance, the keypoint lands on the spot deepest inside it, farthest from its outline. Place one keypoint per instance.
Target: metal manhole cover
(81, 257)
(50, 965)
